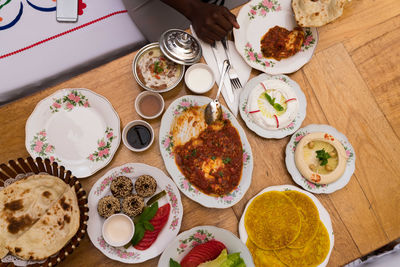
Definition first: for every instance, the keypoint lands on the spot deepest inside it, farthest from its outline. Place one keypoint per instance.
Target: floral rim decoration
(42, 148)
(104, 146)
(199, 237)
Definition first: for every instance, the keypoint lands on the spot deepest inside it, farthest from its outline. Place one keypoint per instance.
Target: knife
(227, 82)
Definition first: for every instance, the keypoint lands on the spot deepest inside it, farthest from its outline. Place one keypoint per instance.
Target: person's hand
(212, 22)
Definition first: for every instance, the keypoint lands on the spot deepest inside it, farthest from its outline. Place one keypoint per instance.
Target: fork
(232, 72)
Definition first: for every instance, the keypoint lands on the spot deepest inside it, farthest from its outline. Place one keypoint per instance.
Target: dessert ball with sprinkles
(121, 186)
(145, 186)
(132, 205)
(108, 206)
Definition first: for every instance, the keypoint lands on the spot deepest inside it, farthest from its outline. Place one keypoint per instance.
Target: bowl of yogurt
(199, 78)
(118, 230)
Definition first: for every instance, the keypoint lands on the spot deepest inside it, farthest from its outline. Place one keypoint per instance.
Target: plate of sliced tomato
(164, 214)
(205, 244)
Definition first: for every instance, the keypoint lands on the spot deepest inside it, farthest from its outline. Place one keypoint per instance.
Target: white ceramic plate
(279, 133)
(166, 148)
(95, 223)
(77, 128)
(255, 19)
(303, 182)
(185, 241)
(323, 216)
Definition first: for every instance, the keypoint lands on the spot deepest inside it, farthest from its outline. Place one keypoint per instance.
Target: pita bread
(316, 13)
(23, 203)
(48, 235)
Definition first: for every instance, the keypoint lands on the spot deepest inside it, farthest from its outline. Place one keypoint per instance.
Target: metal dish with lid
(136, 60)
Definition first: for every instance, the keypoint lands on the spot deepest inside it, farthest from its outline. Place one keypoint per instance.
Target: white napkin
(243, 70)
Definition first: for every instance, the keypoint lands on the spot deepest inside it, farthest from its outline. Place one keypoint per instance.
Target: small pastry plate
(255, 19)
(76, 128)
(323, 216)
(167, 146)
(187, 240)
(279, 133)
(303, 182)
(102, 188)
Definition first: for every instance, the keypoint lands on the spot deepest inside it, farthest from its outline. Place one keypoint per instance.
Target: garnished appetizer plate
(290, 93)
(102, 188)
(256, 18)
(186, 241)
(332, 140)
(76, 128)
(183, 119)
(288, 213)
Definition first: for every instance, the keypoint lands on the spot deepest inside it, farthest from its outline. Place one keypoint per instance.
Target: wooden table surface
(351, 83)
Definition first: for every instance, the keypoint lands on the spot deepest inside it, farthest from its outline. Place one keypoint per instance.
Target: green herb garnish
(323, 156)
(194, 151)
(213, 157)
(271, 100)
(226, 160)
(143, 224)
(221, 173)
(157, 67)
(173, 263)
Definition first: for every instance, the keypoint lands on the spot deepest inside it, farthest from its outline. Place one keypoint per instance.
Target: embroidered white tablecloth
(35, 48)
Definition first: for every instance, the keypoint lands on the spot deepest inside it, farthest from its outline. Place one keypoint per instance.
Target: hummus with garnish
(320, 158)
(272, 104)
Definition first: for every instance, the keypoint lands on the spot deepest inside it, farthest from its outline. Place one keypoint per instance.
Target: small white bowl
(192, 70)
(129, 126)
(140, 97)
(128, 236)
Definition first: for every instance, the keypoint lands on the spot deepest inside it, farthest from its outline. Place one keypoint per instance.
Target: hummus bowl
(307, 166)
(154, 71)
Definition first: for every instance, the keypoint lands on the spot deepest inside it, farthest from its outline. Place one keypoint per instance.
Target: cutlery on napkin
(243, 70)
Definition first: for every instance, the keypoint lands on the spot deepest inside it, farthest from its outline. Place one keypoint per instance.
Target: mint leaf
(322, 156)
(148, 226)
(149, 212)
(139, 233)
(173, 263)
(271, 100)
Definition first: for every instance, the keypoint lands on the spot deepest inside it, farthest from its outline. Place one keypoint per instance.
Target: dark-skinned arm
(211, 22)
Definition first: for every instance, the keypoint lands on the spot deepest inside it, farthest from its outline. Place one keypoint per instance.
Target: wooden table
(352, 83)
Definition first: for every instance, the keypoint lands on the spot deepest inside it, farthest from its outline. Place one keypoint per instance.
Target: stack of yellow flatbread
(284, 229)
(38, 216)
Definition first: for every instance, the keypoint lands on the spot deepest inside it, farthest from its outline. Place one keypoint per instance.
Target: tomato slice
(204, 252)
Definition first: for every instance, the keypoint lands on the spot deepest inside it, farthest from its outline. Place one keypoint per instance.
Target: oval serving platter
(323, 216)
(255, 19)
(303, 182)
(167, 145)
(280, 133)
(76, 128)
(187, 240)
(21, 168)
(102, 188)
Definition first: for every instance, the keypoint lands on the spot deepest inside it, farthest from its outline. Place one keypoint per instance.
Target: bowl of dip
(199, 78)
(138, 135)
(118, 230)
(154, 71)
(149, 105)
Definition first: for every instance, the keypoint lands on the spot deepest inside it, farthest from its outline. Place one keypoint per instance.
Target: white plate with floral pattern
(303, 182)
(323, 216)
(187, 240)
(95, 223)
(255, 19)
(166, 148)
(279, 133)
(76, 128)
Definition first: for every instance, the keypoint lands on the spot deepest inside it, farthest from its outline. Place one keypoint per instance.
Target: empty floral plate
(102, 188)
(303, 182)
(167, 152)
(187, 240)
(255, 19)
(76, 128)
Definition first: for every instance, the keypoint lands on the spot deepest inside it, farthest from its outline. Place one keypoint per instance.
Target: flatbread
(313, 254)
(51, 232)
(23, 203)
(272, 221)
(263, 258)
(316, 13)
(309, 218)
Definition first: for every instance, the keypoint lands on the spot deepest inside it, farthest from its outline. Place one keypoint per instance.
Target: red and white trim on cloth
(63, 33)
